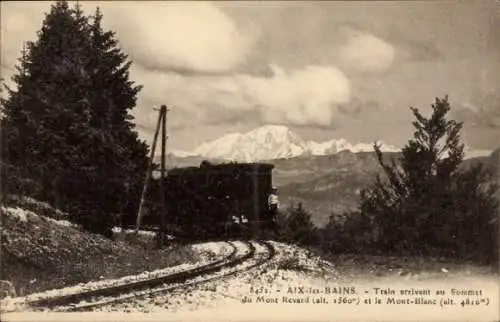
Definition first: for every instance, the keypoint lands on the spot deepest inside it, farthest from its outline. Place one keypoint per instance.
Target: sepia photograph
(250, 160)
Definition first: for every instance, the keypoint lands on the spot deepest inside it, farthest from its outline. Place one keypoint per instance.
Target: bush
(426, 204)
(295, 226)
(14, 182)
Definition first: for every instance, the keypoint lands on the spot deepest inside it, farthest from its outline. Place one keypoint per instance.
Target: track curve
(94, 299)
(65, 300)
(252, 255)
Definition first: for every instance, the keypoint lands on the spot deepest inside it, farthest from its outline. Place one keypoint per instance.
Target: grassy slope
(39, 254)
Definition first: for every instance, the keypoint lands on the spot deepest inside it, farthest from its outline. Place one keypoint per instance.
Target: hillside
(40, 253)
(333, 184)
(328, 184)
(303, 169)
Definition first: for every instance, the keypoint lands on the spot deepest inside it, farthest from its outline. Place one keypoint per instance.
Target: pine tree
(416, 208)
(43, 117)
(112, 97)
(67, 125)
(298, 227)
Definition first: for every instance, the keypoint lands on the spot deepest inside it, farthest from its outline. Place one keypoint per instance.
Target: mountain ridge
(271, 142)
(332, 184)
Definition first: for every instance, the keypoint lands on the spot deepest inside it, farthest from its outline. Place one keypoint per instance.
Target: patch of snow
(64, 223)
(19, 213)
(471, 153)
(217, 251)
(221, 299)
(116, 230)
(24, 215)
(227, 286)
(181, 153)
(146, 233)
(39, 204)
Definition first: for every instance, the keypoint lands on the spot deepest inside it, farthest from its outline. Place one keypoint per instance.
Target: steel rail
(64, 300)
(270, 253)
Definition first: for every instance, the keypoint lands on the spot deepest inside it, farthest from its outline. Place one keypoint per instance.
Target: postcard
(250, 161)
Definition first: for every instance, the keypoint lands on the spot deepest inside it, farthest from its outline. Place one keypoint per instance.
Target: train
(213, 201)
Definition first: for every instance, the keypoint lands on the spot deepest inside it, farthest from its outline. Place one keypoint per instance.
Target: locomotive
(213, 200)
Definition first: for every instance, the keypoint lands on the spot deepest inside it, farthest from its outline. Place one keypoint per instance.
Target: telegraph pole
(162, 232)
(148, 173)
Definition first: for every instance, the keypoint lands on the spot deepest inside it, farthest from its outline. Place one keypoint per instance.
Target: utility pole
(162, 232)
(161, 121)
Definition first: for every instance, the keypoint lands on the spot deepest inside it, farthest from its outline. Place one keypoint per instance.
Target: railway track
(94, 299)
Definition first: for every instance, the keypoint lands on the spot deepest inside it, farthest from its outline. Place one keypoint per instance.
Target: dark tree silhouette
(66, 125)
(425, 203)
(297, 227)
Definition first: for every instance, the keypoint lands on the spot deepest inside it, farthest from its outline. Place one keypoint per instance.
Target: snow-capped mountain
(274, 142)
(334, 146)
(264, 143)
(471, 153)
(182, 153)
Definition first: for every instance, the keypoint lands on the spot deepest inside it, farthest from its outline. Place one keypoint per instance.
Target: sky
(324, 69)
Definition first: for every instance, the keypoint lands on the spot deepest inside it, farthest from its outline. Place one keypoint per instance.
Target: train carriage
(212, 201)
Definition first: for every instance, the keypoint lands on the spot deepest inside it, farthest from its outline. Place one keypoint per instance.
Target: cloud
(364, 51)
(414, 50)
(20, 22)
(184, 37)
(485, 115)
(310, 96)
(188, 38)
(483, 109)
(306, 96)
(357, 106)
(481, 113)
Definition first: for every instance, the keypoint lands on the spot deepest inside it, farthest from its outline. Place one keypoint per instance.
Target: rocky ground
(293, 287)
(41, 253)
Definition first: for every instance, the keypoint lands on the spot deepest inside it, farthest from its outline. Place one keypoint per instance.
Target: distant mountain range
(271, 142)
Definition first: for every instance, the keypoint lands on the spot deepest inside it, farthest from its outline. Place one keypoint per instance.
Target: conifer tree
(67, 124)
(45, 115)
(298, 227)
(113, 96)
(420, 207)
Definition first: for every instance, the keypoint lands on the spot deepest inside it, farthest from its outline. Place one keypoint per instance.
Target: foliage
(350, 235)
(296, 226)
(67, 126)
(425, 204)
